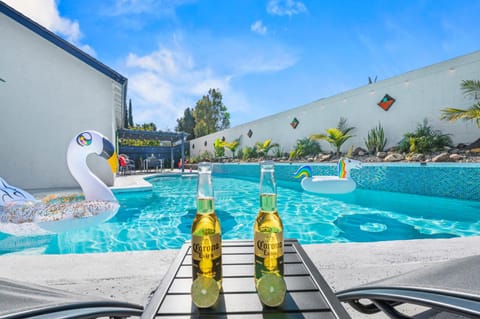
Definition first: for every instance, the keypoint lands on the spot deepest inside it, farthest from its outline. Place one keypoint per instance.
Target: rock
(359, 151)
(456, 157)
(475, 144)
(416, 157)
(443, 157)
(394, 157)
(381, 154)
(325, 157)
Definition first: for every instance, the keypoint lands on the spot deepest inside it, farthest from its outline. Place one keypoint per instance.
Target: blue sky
(264, 56)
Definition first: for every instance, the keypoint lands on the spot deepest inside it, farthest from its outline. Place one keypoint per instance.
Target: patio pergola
(170, 143)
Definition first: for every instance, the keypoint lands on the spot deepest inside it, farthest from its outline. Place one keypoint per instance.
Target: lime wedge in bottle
(204, 292)
(271, 289)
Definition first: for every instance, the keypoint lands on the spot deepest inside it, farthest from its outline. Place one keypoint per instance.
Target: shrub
(336, 136)
(376, 140)
(219, 147)
(262, 148)
(249, 152)
(424, 140)
(305, 147)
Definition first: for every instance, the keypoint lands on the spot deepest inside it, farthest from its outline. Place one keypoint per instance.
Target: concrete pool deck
(131, 276)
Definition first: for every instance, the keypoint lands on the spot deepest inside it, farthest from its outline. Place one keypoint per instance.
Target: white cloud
(258, 27)
(286, 7)
(45, 12)
(164, 83)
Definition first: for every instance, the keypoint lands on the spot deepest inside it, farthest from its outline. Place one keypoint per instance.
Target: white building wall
(49, 96)
(419, 94)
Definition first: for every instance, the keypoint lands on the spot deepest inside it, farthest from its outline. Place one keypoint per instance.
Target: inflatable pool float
(340, 184)
(23, 215)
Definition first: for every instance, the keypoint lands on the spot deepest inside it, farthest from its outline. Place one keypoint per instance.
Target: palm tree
(232, 146)
(470, 88)
(265, 147)
(305, 147)
(335, 136)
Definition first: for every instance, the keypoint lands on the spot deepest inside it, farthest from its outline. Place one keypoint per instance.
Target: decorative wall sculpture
(294, 123)
(386, 102)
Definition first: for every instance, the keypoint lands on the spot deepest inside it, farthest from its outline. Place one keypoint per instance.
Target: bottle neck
(205, 205)
(268, 203)
(268, 191)
(205, 189)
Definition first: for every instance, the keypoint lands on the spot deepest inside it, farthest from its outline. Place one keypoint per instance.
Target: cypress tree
(130, 115)
(125, 118)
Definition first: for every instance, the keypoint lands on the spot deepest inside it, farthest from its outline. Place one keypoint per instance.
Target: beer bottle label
(207, 256)
(268, 253)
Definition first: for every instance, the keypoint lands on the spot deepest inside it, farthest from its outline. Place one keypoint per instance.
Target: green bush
(219, 147)
(249, 152)
(424, 140)
(240, 153)
(376, 140)
(305, 147)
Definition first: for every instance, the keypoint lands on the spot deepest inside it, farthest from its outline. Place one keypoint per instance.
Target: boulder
(443, 157)
(381, 154)
(416, 157)
(359, 151)
(324, 157)
(394, 157)
(456, 157)
(474, 145)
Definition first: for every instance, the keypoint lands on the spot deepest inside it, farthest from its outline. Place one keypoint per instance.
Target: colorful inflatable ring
(340, 184)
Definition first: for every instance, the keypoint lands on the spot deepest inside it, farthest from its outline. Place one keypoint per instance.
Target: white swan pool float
(340, 184)
(23, 215)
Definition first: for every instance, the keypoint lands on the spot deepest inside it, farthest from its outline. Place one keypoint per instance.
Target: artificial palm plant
(336, 136)
(470, 88)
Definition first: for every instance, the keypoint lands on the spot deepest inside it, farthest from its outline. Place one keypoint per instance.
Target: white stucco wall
(419, 94)
(49, 96)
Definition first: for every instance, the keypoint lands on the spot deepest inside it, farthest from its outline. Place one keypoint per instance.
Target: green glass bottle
(206, 243)
(268, 241)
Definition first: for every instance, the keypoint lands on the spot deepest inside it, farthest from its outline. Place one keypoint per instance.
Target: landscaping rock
(443, 157)
(456, 157)
(381, 154)
(325, 157)
(394, 157)
(474, 145)
(359, 152)
(415, 157)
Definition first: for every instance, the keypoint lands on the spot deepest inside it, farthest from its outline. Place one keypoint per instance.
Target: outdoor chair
(451, 287)
(22, 300)
(154, 163)
(126, 165)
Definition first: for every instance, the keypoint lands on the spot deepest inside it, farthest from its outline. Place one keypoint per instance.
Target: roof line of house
(58, 41)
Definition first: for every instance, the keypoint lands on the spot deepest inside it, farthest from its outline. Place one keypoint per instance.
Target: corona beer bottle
(268, 241)
(206, 244)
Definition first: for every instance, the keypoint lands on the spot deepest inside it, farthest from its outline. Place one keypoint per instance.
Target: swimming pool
(161, 218)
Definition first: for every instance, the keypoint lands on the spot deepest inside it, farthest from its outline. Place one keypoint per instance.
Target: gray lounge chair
(452, 287)
(21, 300)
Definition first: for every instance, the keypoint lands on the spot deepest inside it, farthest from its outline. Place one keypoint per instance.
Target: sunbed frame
(452, 287)
(21, 300)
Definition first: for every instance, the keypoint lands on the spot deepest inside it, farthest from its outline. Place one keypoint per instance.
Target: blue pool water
(161, 218)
